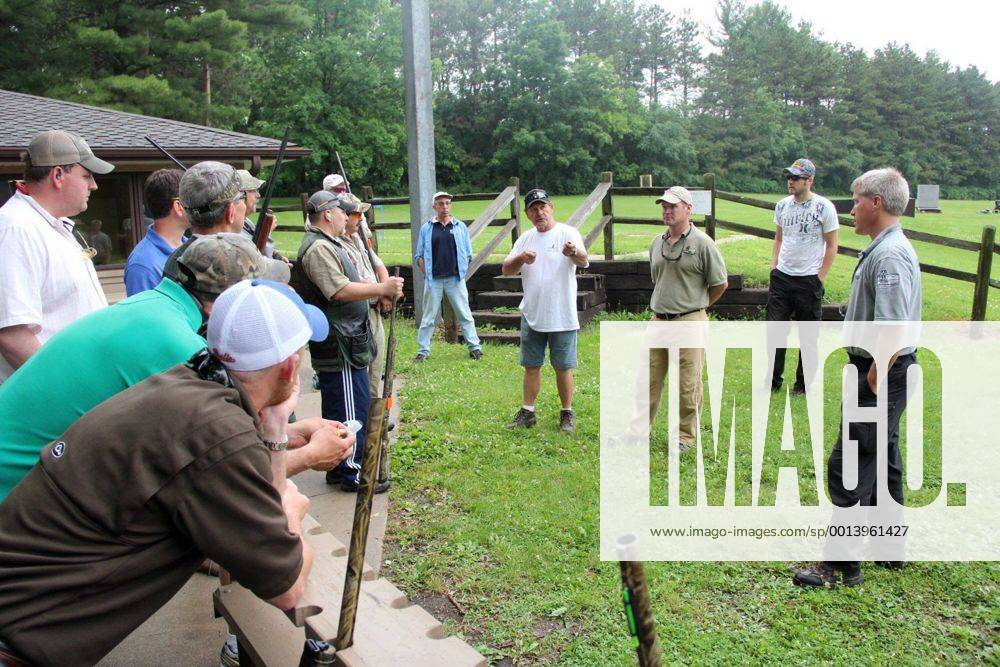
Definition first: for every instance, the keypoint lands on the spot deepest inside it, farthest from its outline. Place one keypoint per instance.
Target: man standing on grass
(805, 245)
(885, 288)
(689, 275)
(547, 257)
(444, 252)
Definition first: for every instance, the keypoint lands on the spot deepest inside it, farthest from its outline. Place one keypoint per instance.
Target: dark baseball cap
(324, 200)
(53, 148)
(801, 167)
(535, 196)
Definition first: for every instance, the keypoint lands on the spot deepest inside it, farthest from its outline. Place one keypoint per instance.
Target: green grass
(507, 522)
(944, 298)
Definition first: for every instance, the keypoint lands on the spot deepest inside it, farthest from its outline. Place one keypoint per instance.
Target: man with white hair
(124, 506)
(885, 288)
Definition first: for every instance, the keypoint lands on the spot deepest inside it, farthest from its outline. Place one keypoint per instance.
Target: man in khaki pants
(688, 276)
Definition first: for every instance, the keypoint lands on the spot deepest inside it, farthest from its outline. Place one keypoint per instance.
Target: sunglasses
(670, 256)
(793, 177)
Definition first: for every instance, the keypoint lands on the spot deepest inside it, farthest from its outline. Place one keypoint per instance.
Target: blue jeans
(458, 295)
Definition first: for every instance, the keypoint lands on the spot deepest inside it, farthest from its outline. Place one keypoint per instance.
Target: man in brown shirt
(119, 511)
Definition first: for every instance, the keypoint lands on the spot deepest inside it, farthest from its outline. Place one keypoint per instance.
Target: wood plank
(596, 231)
(588, 205)
(484, 254)
(503, 199)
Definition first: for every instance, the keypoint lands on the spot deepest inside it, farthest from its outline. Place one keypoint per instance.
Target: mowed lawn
(506, 523)
(944, 298)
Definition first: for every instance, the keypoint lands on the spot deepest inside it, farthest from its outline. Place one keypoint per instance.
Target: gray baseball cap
(207, 185)
(249, 182)
(324, 200)
(53, 148)
(801, 167)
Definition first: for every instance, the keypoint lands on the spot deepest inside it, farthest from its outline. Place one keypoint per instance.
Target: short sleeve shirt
(885, 286)
(323, 266)
(144, 267)
(46, 278)
(549, 283)
(683, 272)
(120, 511)
(803, 225)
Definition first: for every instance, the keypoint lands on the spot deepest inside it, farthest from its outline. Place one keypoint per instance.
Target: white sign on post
(702, 202)
(928, 197)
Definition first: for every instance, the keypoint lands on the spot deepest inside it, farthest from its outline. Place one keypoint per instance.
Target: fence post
(982, 290)
(304, 202)
(515, 209)
(709, 181)
(367, 195)
(607, 209)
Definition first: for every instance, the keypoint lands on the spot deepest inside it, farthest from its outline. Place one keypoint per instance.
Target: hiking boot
(798, 390)
(851, 574)
(566, 424)
(891, 564)
(421, 357)
(823, 575)
(523, 419)
(476, 354)
(352, 487)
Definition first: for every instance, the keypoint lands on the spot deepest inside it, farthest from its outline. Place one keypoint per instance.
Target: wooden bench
(389, 630)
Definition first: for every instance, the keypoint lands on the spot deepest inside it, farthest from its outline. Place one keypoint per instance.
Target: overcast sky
(963, 32)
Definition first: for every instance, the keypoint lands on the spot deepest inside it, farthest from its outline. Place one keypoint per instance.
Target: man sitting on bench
(124, 506)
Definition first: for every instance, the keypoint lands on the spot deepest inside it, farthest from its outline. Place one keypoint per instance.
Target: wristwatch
(274, 446)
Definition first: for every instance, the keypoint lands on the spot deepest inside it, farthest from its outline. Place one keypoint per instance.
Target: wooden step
(500, 337)
(499, 320)
(584, 300)
(588, 282)
(513, 321)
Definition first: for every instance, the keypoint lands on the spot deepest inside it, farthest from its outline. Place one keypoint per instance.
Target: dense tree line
(552, 91)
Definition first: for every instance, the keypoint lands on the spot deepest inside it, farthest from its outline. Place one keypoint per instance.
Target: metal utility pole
(419, 124)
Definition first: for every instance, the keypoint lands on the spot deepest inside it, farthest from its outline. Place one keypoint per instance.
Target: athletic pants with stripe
(346, 395)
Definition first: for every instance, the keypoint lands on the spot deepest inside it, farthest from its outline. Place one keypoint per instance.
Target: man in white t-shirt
(47, 277)
(547, 257)
(805, 245)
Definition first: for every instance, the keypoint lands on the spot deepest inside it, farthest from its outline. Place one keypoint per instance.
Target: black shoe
(566, 424)
(798, 390)
(333, 477)
(476, 354)
(823, 575)
(352, 487)
(891, 564)
(776, 387)
(420, 358)
(851, 574)
(523, 419)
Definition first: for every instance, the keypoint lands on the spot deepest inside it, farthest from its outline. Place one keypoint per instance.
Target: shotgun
(261, 231)
(378, 421)
(166, 153)
(361, 227)
(638, 609)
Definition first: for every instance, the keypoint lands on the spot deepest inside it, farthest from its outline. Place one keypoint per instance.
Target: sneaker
(229, 656)
(476, 354)
(684, 446)
(566, 424)
(333, 477)
(523, 419)
(352, 487)
(420, 358)
(823, 575)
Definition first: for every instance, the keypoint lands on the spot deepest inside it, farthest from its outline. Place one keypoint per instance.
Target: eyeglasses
(669, 257)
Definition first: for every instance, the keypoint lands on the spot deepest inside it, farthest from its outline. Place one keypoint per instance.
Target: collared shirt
(885, 286)
(444, 250)
(87, 362)
(803, 225)
(46, 279)
(144, 267)
(323, 266)
(463, 246)
(683, 272)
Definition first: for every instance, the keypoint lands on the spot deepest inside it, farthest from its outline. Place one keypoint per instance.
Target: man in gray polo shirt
(688, 275)
(805, 245)
(885, 287)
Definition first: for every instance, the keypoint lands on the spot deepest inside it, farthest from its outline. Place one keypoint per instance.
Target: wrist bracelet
(276, 446)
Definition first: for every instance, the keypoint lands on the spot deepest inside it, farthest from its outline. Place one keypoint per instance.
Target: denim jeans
(458, 295)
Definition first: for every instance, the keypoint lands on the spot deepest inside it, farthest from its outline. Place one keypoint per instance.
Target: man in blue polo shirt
(144, 268)
(444, 252)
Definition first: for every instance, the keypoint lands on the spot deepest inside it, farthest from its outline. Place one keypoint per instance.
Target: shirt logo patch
(58, 449)
(885, 279)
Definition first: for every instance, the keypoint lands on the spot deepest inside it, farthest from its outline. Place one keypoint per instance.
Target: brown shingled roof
(112, 133)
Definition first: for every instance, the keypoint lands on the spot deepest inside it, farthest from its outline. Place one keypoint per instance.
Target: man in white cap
(47, 276)
(443, 254)
(689, 275)
(334, 183)
(122, 509)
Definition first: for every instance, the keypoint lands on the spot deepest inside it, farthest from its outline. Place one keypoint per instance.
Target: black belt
(672, 316)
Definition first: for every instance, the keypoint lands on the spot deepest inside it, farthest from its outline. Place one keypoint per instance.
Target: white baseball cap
(259, 323)
(332, 181)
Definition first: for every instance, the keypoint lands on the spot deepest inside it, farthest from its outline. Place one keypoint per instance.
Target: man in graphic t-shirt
(547, 257)
(805, 245)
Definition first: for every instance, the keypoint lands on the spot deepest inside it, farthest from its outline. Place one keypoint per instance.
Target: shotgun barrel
(261, 231)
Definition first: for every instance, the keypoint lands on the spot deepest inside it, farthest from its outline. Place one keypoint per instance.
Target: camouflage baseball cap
(207, 185)
(362, 206)
(801, 167)
(218, 261)
(249, 182)
(53, 148)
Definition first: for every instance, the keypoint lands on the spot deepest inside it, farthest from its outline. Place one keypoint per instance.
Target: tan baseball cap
(362, 205)
(53, 148)
(248, 182)
(442, 193)
(676, 195)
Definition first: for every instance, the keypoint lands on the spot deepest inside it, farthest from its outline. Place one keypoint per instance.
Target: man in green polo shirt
(689, 276)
